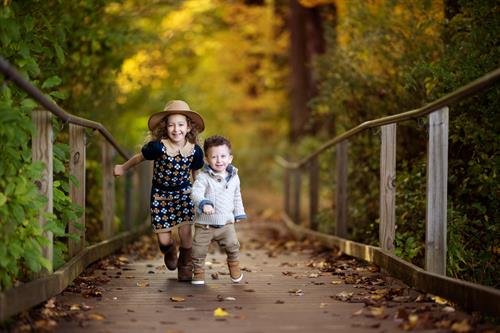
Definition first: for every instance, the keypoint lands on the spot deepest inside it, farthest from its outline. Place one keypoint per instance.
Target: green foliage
(390, 57)
(20, 234)
(60, 47)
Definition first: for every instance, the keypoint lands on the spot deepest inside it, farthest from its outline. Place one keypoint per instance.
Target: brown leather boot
(198, 276)
(169, 255)
(184, 265)
(235, 271)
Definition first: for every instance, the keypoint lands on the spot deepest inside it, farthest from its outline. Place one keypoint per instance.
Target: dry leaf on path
(220, 313)
(95, 316)
(177, 299)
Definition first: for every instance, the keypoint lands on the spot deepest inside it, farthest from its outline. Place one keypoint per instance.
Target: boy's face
(218, 158)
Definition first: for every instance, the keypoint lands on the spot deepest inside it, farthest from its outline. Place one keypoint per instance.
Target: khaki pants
(226, 238)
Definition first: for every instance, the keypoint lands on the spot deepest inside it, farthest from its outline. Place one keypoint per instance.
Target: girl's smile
(177, 128)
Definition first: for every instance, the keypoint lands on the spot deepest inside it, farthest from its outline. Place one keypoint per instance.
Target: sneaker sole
(238, 279)
(197, 282)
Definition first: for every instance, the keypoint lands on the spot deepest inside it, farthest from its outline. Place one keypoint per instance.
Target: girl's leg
(169, 250)
(185, 263)
(186, 236)
(165, 238)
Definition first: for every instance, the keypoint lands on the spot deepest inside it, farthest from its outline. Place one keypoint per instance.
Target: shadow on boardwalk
(288, 286)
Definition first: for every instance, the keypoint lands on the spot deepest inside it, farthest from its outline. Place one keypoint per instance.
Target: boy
(217, 198)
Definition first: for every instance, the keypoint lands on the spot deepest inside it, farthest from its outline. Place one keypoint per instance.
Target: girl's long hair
(160, 132)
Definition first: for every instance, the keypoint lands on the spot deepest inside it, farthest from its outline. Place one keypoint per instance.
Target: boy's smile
(219, 158)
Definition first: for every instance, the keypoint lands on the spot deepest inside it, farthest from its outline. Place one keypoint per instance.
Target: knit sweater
(224, 195)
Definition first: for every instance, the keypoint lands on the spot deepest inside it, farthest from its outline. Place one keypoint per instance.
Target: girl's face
(177, 128)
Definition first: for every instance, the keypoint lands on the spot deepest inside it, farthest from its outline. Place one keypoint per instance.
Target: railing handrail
(479, 84)
(13, 75)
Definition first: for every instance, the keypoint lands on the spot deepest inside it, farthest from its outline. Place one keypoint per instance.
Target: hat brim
(156, 118)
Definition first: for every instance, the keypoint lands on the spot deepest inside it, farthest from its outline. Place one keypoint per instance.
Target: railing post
(42, 151)
(77, 193)
(287, 189)
(437, 183)
(313, 193)
(127, 210)
(387, 227)
(296, 195)
(108, 190)
(341, 191)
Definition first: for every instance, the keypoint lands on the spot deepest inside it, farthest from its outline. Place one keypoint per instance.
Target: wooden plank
(313, 193)
(470, 296)
(77, 193)
(108, 190)
(27, 295)
(42, 151)
(437, 190)
(341, 190)
(387, 227)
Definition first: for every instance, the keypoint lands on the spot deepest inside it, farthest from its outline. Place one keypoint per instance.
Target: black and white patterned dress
(171, 203)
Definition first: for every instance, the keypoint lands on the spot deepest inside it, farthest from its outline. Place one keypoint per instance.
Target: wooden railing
(437, 173)
(80, 255)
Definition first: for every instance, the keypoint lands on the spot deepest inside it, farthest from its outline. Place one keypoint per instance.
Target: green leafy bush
(393, 57)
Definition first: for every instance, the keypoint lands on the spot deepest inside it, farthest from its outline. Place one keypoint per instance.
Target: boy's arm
(239, 210)
(121, 169)
(198, 193)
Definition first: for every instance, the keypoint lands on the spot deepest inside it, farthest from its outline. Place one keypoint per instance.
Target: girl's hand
(118, 170)
(208, 209)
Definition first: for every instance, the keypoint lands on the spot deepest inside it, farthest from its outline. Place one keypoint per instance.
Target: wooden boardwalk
(287, 287)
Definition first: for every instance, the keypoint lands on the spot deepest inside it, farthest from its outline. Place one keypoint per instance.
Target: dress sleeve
(152, 150)
(198, 158)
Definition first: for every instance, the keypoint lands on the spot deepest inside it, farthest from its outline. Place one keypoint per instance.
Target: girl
(176, 154)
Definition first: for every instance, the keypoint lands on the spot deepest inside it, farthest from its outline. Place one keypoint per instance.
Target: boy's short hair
(215, 141)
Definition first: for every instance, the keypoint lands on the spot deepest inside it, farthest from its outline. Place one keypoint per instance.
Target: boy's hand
(208, 209)
(118, 170)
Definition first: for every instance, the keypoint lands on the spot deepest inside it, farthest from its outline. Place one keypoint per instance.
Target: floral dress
(171, 203)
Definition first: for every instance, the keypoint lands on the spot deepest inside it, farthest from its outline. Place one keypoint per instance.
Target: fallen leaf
(297, 292)
(313, 275)
(323, 305)
(448, 309)
(95, 316)
(220, 313)
(279, 302)
(344, 296)
(358, 313)
(461, 327)
(177, 299)
(439, 300)
(142, 284)
(229, 298)
(51, 303)
(75, 307)
(336, 282)
(45, 325)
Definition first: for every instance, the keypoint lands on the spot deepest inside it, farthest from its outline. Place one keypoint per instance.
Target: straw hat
(176, 107)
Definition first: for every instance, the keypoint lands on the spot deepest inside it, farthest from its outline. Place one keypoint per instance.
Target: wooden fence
(433, 278)
(49, 283)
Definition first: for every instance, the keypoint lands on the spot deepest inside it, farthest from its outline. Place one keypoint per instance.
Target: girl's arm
(121, 169)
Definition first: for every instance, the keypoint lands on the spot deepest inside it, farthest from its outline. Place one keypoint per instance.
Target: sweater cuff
(240, 217)
(203, 203)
